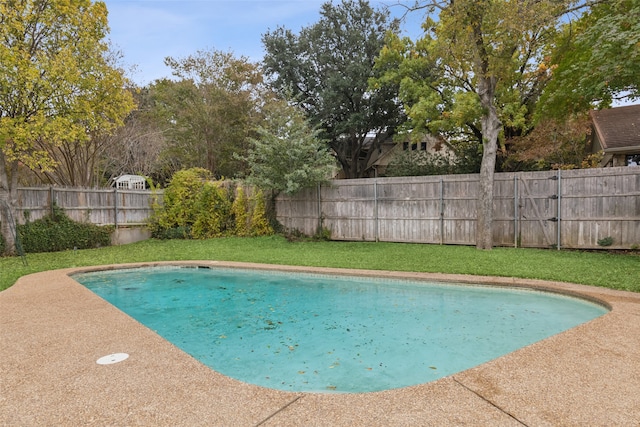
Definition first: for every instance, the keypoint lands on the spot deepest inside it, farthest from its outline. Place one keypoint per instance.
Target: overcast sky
(147, 31)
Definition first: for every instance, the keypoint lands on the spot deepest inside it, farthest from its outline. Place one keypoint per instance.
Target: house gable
(616, 131)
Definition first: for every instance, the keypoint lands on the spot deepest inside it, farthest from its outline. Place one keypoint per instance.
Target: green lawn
(615, 271)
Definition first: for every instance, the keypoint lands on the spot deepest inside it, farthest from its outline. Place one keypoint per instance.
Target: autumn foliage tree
(209, 110)
(57, 86)
(596, 60)
(480, 68)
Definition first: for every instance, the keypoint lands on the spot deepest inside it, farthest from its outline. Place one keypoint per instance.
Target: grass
(615, 271)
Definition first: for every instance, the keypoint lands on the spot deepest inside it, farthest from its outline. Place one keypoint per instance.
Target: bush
(197, 207)
(606, 241)
(58, 232)
(259, 223)
(171, 233)
(240, 213)
(212, 212)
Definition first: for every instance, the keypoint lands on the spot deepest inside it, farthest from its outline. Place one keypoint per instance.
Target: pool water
(311, 332)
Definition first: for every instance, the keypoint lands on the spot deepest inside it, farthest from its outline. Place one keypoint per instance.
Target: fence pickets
(98, 206)
(550, 209)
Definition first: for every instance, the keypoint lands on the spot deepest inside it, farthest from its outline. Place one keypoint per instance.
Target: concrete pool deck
(53, 330)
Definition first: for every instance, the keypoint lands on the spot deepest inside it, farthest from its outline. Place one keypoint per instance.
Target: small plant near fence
(197, 207)
(605, 241)
(57, 232)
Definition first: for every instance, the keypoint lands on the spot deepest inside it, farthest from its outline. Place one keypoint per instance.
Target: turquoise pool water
(310, 332)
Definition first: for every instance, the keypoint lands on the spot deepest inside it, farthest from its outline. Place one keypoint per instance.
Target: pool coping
(52, 331)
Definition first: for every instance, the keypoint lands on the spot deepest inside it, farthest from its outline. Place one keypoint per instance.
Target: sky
(147, 31)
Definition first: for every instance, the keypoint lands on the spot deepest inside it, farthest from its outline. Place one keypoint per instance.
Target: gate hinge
(553, 197)
(554, 219)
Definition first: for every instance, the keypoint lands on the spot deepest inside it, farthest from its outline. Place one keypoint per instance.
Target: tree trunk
(7, 216)
(490, 131)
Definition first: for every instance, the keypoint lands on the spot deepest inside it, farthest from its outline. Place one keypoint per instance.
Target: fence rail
(562, 209)
(98, 206)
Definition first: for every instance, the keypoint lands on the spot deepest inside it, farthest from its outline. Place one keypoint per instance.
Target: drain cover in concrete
(112, 358)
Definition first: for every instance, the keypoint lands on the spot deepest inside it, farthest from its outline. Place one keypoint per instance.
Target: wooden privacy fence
(98, 206)
(552, 209)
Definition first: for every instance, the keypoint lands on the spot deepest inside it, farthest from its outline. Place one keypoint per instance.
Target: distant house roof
(617, 129)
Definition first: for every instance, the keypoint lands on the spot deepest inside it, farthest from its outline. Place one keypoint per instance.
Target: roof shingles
(617, 128)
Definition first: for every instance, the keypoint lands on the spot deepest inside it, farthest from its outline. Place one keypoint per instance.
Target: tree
(596, 60)
(76, 163)
(287, 154)
(555, 144)
(210, 110)
(480, 67)
(57, 86)
(325, 70)
(137, 146)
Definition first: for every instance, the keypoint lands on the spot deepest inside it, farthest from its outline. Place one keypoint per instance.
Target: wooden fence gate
(537, 216)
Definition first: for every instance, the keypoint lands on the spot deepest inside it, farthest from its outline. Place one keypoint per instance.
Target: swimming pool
(312, 332)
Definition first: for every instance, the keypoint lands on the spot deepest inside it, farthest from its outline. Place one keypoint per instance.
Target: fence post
(559, 207)
(441, 211)
(51, 200)
(375, 210)
(516, 212)
(320, 225)
(115, 207)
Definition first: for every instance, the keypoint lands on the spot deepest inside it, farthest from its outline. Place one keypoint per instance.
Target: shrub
(212, 212)
(197, 207)
(58, 232)
(259, 223)
(606, 241)
(180, 198)
(171, 233)
(240, 211)
(416, 163)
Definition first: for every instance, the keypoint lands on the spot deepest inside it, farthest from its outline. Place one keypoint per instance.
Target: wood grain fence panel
(33, 204)
(538, 208)
(408, 210)
(97, 206)
(575, 209)
(348, 210)
(459, 196)
(572, 209)
(300, 212)
(604, 203)
(504, 209)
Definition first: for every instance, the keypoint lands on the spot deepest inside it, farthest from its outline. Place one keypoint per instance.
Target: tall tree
(325, 70)
(480, 67)
(57, 85)
(288, 154)
(137, 146)
(596, 60)
(212, 108)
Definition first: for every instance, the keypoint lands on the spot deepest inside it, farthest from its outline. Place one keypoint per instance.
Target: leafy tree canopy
(210, 110)
(57, 84)
(477, 69)
(326, 69)
(288, 154)
(596, 60)
(439, 74)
